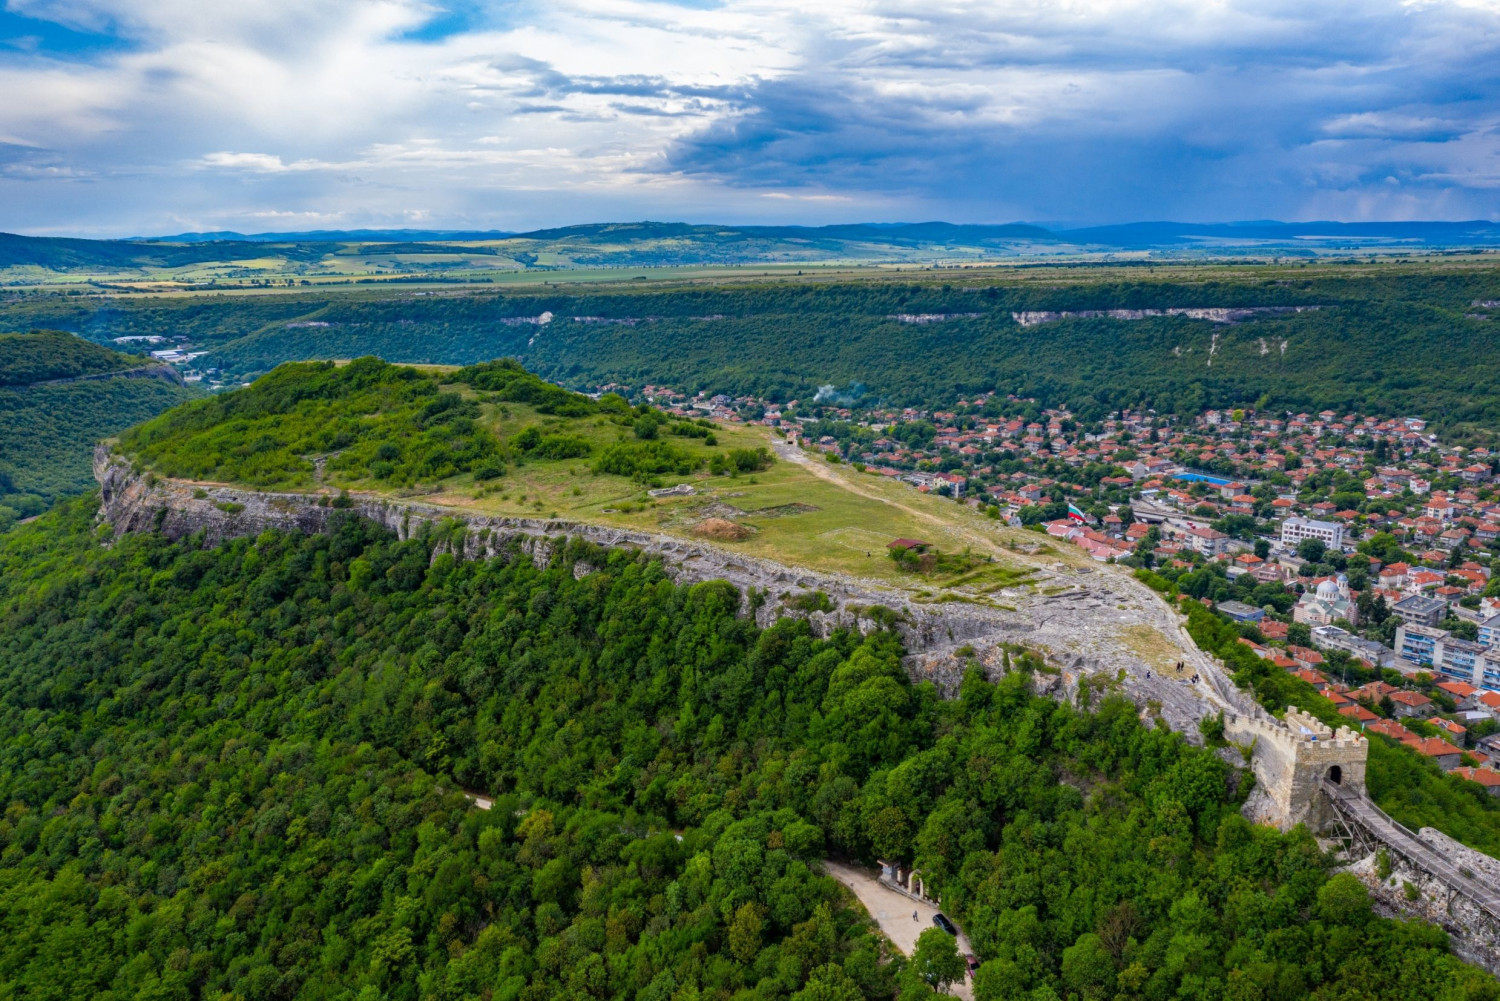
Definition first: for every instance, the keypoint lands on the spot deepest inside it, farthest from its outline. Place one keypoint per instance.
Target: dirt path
(792, 453)
(893, 912)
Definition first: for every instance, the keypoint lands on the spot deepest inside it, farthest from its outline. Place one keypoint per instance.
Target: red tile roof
(1486, 777)
(1390, 728)
(1435, 747)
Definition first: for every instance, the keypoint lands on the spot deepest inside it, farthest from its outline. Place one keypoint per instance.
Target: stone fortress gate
(1294, 762)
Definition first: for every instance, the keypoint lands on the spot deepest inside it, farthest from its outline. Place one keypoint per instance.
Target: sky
(148, 117)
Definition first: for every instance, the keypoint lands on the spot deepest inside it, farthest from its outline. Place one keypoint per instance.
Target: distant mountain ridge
(1145, 234)
(1133, 234)
(881, 232)
(648, 244)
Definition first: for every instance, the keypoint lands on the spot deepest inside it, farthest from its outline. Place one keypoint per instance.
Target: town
(1354, 552)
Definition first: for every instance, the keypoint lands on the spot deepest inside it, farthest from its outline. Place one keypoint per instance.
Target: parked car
(941, 920)
(973, 964)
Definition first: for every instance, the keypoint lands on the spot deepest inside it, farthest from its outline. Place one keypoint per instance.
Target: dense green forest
(237, 773)
(47, 432)
(363, 413)
(43, 355)
(1396, 338)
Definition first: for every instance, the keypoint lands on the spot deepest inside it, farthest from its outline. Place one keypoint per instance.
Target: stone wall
(1292, 758)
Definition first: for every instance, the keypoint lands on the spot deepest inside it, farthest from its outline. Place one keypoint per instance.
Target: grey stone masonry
(1292, 759)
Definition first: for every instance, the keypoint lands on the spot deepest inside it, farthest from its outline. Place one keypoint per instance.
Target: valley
(59, 395)
(463, 548)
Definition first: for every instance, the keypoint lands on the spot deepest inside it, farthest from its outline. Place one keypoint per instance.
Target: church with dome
(1328, 603)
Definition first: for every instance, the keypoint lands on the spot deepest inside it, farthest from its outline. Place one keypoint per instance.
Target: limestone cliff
(1077, 627)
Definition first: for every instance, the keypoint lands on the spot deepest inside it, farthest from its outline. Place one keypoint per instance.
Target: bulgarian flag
(1077, 515)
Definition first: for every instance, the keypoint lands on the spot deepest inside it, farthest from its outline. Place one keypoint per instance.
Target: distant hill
(1146, 235)
(1412, 338)
(466, 255)
(61, 254)
(1126, 236)
(332, 236)
(59, 395)
(53, 354)
(892, 233)
(878, 232)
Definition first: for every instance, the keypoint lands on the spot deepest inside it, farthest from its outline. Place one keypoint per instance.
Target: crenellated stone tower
(1292, 759)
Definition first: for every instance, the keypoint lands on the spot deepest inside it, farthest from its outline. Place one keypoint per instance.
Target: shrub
(562, 446)
(642, 459)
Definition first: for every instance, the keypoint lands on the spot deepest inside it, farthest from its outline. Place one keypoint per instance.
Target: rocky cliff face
(1076, 622)
(1403, 888)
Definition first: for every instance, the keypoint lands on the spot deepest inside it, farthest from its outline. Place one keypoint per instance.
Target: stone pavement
(892, 912)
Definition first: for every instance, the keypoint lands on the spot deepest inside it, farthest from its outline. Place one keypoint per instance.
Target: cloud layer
(148, 116)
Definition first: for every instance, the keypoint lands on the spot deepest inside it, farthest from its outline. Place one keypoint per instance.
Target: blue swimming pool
(1217, 481)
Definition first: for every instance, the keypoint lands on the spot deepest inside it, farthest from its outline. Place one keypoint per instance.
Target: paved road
(892, 911)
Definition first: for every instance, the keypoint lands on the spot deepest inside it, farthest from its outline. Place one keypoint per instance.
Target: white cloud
(538, 113)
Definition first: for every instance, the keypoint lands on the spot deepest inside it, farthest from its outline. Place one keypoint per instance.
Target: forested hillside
(1387, 339)
(379, 426)
(44, 355)
(48, 425)
(237, 773)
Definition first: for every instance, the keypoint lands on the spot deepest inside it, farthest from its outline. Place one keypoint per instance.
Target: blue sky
(124, 117)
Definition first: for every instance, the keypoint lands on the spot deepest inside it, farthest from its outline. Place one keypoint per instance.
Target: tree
(1312, 550)
(1088, 968)
(890, 834)
(1262, 548)
(829, 982)
(1343, 900)
(936, 959)
(1000, 980)
(745, 932)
